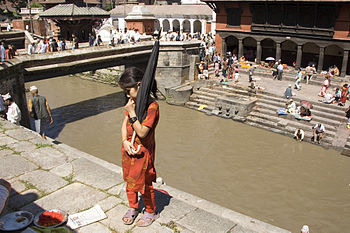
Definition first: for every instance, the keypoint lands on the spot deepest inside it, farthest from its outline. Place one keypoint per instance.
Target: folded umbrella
(142, 98)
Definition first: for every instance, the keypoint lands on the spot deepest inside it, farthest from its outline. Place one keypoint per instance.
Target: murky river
(249, 170)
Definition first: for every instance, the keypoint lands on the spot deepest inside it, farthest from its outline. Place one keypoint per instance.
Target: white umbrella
(269, 59)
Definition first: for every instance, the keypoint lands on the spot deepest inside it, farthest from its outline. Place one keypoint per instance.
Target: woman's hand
(128, 147)
(130, 107)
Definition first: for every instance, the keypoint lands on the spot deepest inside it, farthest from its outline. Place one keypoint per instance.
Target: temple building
(71, 19)
(298, 31)
(188, 18)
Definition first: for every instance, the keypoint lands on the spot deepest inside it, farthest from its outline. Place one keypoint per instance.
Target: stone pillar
(278, 51)
(345, 63)
(171, 24)
(258, 52)
(320, 60)
(240, 48)
(181, 21)
(204, 26)
(224, 47)
(299, 56)
(192, 26)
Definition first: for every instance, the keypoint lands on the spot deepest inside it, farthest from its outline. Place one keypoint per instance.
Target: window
(233, 16)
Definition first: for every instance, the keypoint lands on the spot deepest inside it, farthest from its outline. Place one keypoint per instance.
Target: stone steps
(195, 106)
(200, 97)
(314, 111)
(289, 131)
(270, 112)
(289, 123)
(315, 118)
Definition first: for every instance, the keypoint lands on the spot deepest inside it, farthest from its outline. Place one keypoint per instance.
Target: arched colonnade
(185, 25)
(289, 51)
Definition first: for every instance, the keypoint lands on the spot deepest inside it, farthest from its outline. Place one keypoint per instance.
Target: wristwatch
(132, 120)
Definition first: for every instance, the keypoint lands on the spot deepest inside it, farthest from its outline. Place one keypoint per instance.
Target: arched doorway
(231, 45)
(156, 25)
(333, 55)
(176, 25)
(310, 54)
(289, 52)
(249, 48)
(166, 25)
(268, 48)
(186, 26)
(197, 26)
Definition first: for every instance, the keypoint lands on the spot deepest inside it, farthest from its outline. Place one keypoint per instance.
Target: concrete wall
(12, 81)
(14, 37)
(173, 67)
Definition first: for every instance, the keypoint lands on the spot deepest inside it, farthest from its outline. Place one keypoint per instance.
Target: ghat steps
(264, 113)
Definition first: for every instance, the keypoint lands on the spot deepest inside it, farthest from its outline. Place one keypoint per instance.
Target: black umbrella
(145, 88)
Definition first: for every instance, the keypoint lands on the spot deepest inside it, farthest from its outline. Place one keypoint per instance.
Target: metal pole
(30, 17)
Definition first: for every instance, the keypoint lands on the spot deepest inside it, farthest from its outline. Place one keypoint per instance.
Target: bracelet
(124, 140)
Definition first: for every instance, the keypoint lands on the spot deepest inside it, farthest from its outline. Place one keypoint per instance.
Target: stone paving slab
(72, 198)
(154, 228)
(6, 140)
(94, 228)
(22, 146)
(24, 198)
(202, 221)
(175, 210)
(46, 157)
(5, 152)
(109, 203)
(114, 219)
(16, 187)
(63, 170)
(44, 181)
(15, 165)
(7, 125)
(20, 134)
(104, 180)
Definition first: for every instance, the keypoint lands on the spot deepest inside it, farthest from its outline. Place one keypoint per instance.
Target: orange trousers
(148, 198)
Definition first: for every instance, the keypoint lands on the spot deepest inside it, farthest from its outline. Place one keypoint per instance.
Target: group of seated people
(318, 132)
(300, 112)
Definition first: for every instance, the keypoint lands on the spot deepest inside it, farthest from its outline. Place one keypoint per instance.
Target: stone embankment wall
(12, 81)
(47, 176)
(16, 38)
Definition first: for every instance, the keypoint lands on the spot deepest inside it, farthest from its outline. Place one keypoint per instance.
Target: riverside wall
(45, 174)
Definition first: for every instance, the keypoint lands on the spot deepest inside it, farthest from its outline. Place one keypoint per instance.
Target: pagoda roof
(73, 11)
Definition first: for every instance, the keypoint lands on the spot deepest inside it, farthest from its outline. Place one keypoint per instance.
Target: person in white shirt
(299, 135)
(13, 111)
(318, 132)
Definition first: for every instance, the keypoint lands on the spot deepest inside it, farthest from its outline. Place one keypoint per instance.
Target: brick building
(302, 31)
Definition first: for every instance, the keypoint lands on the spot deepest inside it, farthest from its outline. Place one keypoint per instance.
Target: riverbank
(47, 175)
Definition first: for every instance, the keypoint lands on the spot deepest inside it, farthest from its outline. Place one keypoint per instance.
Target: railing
(324, 32)
(34, 11)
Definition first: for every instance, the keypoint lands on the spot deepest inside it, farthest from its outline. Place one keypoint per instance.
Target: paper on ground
(86, 217)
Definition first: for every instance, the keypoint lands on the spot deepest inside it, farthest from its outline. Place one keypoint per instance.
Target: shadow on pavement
(78, 111)
(162, 200)
(25, 201)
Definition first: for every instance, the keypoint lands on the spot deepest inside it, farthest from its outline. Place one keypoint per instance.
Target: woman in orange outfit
(138, 168)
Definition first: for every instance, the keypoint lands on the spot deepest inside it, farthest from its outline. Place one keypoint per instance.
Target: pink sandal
(130, 214)
(148, 219)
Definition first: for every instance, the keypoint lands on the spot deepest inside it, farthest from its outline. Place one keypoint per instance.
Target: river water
(255, 172)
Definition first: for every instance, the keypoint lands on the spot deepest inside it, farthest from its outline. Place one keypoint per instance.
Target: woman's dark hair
(131, 76)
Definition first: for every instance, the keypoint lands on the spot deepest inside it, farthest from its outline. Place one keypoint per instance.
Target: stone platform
(46, 175)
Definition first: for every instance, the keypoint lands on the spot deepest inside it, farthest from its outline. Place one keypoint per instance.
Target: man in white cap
(13, 111)
(40, 110)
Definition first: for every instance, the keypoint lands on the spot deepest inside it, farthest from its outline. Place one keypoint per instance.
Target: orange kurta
(138, 170)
